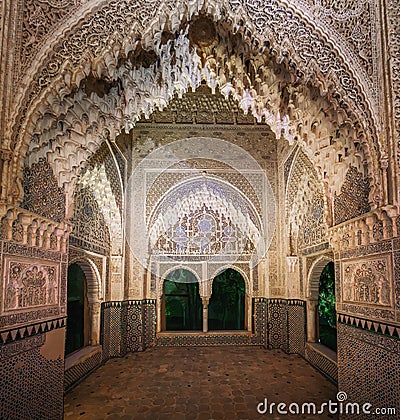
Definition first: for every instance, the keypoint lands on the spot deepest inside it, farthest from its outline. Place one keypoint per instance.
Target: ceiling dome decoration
(202, 32)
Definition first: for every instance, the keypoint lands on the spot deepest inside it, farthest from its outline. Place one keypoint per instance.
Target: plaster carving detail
(204, 219)
(367, 282)
(372, 229)
(192, 168)
(314, 227)
(105, 65)
(102, 178)
(41, 192)
(353, 198)
(88, 221)
(26, 228)
(394, 48)
(355, 21)
(306, 211)
(40, 17)
(30, 286)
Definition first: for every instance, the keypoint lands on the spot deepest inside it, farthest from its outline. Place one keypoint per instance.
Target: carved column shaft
(312, 320)
(94, 338)
(205, 301)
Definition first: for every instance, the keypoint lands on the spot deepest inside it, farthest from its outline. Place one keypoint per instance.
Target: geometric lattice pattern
(128, 326)
(286, 325)
(198, 340)
(296, 327)
(79, 371)
(369, 368)
(88, 221)
(112, 332)
(149, 323)
(277, 325)
(260, 319)
(134, 320)
(323, 363)
(42, 195)
(30, 383)
(353, 198)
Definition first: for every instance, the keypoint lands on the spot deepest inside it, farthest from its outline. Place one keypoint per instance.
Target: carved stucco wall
(98, 203)
(255, 140)
(34, 251)
(306, 210)
(42, 195)
(368, 285)
(56, 109)
(353, 21)
(97, 221)
(352, 201)
(33, 264)
(393, 22)
(291, 46)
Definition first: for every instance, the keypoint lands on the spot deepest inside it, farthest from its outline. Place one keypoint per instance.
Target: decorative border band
(369, 325)
(20, 333)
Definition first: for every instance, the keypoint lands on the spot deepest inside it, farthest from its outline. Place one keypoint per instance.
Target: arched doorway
(77, 310)
(226, 310)
(182, 302)
(326, 308)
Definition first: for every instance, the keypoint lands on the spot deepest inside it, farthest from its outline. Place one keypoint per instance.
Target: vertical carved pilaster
(312, 320)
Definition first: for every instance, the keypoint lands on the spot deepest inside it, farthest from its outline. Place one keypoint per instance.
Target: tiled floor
(198, 383)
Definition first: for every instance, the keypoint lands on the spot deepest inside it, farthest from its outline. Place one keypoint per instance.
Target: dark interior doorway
(182, 303)
(226, 310)
(76, 309)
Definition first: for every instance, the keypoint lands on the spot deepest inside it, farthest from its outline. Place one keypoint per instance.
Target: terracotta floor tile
(197, 383)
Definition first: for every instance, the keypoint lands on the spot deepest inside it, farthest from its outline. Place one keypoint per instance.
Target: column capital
(205, 300)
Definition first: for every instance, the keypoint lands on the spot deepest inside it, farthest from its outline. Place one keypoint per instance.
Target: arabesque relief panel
(368, 282)
(31, 290)
(29, 285)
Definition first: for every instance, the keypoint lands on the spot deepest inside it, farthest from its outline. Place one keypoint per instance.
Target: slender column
(205, 313)
(312, 320)
(95, 327)
(160, 315)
